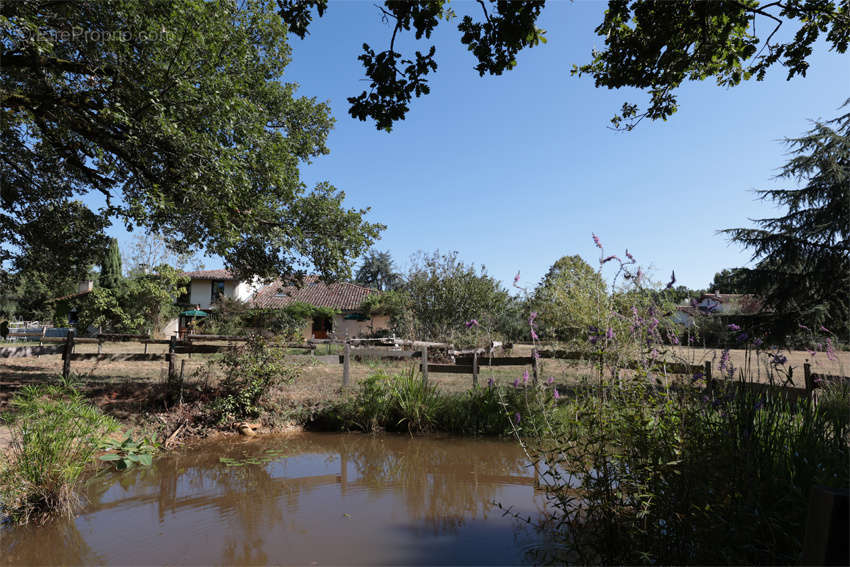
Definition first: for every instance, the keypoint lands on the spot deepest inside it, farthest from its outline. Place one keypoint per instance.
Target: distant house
(206, 286)
(65, 307)
(718, 304)
(341, 296)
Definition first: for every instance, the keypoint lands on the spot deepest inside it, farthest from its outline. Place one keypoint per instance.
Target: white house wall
(201, 291)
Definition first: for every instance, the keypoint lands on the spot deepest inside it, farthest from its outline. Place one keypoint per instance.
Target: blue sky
(514, 172)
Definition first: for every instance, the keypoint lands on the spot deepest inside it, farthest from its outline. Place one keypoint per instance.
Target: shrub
(55, 434)
(250, 372)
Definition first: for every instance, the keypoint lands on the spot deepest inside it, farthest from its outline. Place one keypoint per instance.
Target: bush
(55, 434)
(250, 372)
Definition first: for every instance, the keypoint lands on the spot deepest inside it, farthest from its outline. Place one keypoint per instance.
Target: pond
(308, 499)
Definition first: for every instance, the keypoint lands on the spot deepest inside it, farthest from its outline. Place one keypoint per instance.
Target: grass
(55, 433)
(648, 475)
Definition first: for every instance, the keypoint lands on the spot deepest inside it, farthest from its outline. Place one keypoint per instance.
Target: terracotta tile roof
(341, 295)
(210, 275)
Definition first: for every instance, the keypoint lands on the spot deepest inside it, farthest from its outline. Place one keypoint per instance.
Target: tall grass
(405, 402)
(55, 434)
(647, 475)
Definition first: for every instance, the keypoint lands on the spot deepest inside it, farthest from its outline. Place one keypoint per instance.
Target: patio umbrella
(194, 313)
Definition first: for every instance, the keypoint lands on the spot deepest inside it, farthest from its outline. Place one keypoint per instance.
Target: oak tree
(165, 116)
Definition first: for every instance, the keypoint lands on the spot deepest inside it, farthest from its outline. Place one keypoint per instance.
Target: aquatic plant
(55, 435)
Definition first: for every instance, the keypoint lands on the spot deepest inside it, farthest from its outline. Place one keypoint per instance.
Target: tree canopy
(653, 45)
(110, 266)
(803, 256)
(569, 299)
(731, 280)
(176, 118)
(377, 271)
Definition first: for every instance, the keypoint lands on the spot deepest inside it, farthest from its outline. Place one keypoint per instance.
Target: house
(344, 297)
(718, 304)
(65, 307)
(206, 286)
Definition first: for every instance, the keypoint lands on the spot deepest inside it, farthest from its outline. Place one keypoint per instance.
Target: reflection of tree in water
(442, 482)
(55, 543)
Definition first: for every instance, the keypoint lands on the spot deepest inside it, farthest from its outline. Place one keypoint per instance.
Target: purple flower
(803, 327)
(534, 336)
(777, 359)
(825, 330)
(733, 327)
(609, 334)
(596, 241)
(532, 317)
(472, 323)
(550, 380)
(555, 393)
(697, 376)
(742, 337)
(517, 418)
(757, 342)
(535, 354)
(516, 383)
(724, 359)
(525, 376)
(654, 354)
(672, 280)
(674, 338)
(516, 278)
(638, 276)
(629, 256)
(830, 350)
(490, 382)
(608, 259)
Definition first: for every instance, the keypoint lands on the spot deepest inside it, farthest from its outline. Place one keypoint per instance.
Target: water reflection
(330, 499)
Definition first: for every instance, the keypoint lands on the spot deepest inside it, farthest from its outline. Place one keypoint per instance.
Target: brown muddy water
(310, 499)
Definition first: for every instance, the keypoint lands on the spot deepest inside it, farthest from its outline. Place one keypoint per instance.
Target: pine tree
(377, 271)
(110, 267)
(803, 269)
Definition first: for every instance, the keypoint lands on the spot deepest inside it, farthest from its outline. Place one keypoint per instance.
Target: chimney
(85, 286)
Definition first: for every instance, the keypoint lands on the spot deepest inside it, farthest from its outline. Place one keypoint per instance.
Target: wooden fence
(464, 361)
(471, 361)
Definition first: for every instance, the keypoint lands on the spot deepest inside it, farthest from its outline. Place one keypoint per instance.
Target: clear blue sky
(514, 172)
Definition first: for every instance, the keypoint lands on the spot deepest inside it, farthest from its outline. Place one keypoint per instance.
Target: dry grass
(321, 377)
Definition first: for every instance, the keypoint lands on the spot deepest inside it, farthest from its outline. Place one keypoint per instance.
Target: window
(217, 291)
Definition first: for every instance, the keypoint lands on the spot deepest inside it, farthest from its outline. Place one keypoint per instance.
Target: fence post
(424, 363)
(534, 368)
(173, 386)
(43, 334)
(346, 361)
(807, 373)
(475, 369)
(66, 354)
(707, 375)
(827, 522)
(99, 344)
